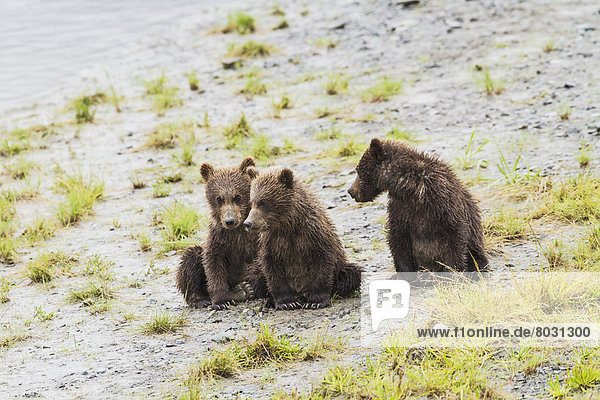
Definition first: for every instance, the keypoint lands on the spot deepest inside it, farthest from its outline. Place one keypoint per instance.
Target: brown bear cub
(434, 222)
(215, 269)
(301, 258)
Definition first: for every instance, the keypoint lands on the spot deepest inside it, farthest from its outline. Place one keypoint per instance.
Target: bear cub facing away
(215, 270)
(434, 222)
(302, 262)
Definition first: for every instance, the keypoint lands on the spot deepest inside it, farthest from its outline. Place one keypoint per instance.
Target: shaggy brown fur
(229, 248)
(191, 279)
(300, 255)
(434, 222)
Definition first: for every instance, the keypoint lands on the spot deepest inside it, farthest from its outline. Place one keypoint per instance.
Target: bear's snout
(247, 225)
(353, 191)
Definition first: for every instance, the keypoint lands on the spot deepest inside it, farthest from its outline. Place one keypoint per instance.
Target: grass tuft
(80, 196)
(167, 135)
(161, 189)
(237, 132)
(20, 168)
(402, 134)
(4, 290)
(192, 80)
(250, 49)
(84, 111)
(336, 83)
(575, 200)
(505, 225)
(254, 86)
(95, 295)
(180, 224)
(163, 322)
(383, 89)
(144, 241)
(268, 347)
(39, 230)
(332, 133)
(50, 265)
(239, 22)
(484, 80)
(468, 159)
(283, 104)
(163, 96)
(585, 154)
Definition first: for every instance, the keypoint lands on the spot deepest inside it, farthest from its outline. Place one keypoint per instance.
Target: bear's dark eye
(219, 200)
(237, 197)
(262, 204)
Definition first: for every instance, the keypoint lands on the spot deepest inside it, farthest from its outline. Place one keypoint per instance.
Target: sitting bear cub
(301, 259)
(217, 269)
(434, 222)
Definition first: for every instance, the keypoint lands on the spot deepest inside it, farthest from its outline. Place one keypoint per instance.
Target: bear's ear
(286, 176)
(248, 162)
(377, 149)
(251, 172)
(207, 171)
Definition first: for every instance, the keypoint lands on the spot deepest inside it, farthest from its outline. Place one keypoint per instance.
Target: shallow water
(44, 44)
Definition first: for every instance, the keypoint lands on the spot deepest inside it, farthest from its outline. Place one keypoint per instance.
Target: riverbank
(506, 92)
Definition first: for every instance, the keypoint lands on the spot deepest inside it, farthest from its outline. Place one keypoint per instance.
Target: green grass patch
(239, 22)
(576, 199)
(267, 348)
(382, 90)
(584, 155)
(39, 230)
(180, 223)
(163, 322)
(20, 168)
(84, 109)
(402, 134)
(485, 81)
(250, 49)
(161, 189)
(284, 103)
(349, 148)
(260, 147)
(333, 133)
(468, 158)
(193, 80)
(144, 241)
(8, 243)
(186, 154)
(506, 225)
(99, 267)
(94, 295)
(237, 132)
(283, 24)
(163, 95)
(167, 135)
(404, 373)
(4, 290)
(336, 83)
(50, 265)
(80, 196)
(254, 86)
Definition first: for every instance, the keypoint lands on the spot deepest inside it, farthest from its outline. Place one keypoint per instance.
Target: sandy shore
(544, 52)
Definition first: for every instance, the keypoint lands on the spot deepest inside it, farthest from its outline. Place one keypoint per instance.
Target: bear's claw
(315, 306)
(288, 306)
(224, 305)
(200, 304)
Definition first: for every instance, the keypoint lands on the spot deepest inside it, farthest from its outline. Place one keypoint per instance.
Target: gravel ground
(433, 47)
